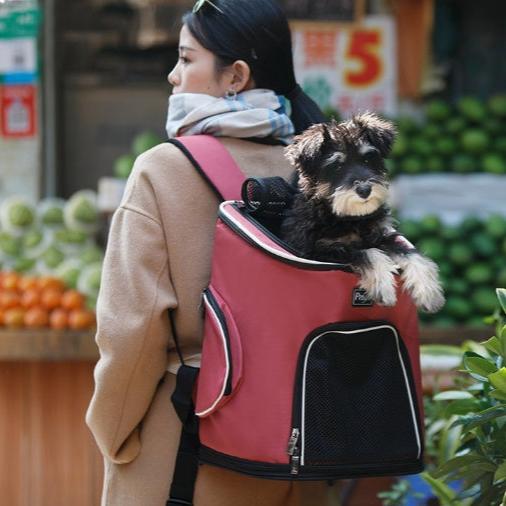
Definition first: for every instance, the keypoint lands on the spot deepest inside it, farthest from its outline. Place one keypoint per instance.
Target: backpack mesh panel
(357, 408)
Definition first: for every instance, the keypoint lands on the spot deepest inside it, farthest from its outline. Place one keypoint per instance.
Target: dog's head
(343, 163)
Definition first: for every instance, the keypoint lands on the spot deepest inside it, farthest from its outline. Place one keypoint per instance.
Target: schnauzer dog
(340, 212)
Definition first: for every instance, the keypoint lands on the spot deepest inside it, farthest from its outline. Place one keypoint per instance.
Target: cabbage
(69, 271)
(17, 215)
(35, 242)
(50, 212)
(10, 245)
(81, 212)
(89, 279)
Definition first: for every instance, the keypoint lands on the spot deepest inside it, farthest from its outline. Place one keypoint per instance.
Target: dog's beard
(348, 203)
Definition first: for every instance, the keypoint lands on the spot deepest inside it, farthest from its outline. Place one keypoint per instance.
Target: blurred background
(83, 91)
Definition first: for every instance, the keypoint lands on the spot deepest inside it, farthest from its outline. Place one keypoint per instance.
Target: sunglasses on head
(199, 4)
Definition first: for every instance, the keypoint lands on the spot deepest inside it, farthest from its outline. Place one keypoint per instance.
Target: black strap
(187, 460)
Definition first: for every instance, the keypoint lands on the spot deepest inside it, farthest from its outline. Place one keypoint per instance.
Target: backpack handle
(214, 163)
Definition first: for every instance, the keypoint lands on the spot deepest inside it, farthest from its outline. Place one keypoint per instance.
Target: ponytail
(305, 111)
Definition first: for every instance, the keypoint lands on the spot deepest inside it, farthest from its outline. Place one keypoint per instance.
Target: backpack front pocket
(355, 403)
(221, 367)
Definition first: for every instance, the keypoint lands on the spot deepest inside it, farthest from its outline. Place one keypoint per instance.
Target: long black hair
(257, 32)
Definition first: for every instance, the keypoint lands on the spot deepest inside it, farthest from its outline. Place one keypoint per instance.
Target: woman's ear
(241, 76)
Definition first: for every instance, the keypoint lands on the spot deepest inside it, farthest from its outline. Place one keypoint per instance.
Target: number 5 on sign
(364, 52)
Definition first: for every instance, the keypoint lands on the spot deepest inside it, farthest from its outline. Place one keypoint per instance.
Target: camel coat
(159, 257)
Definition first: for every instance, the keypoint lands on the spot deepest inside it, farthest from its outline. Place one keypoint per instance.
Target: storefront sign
(17, 111)
(348, 68)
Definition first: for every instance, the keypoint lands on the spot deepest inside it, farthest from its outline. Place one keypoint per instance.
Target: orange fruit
(1, 316)
(10, 281)
(27, 282)
(9, 299)
(81, 319)
(30, 297)
(58, 319)
(72, 299)
(14, 317)
(50, 298)
(36, 317)
(46, 282)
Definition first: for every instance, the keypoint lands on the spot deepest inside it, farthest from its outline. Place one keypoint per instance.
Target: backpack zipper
(294, 451)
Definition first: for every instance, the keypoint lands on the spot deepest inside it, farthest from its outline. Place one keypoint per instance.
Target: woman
(159, 251)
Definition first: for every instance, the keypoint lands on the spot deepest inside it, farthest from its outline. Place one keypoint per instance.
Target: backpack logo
(360, 298)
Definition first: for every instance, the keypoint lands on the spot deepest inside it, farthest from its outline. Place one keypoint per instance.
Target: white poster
(18, 55)
(348, 67)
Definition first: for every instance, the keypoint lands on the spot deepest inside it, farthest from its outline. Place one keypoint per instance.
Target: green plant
(472, 419)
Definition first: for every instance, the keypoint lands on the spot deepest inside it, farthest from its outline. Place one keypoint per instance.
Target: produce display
(54, 238)
(123, 165)
(472, 263)
(42, 302)
(469, 136)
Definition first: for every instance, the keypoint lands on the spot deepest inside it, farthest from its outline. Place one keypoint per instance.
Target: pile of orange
(41, 302)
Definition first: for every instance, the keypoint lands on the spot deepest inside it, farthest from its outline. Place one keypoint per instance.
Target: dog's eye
(372, 156)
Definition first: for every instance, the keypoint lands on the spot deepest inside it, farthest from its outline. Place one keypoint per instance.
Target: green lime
(479, 273)
(499, 144)
(483, 245)
(458, 286)
(469, 225)
(449, 233)
(484, 300)
(431, 224)
(435, 163)
(400, 147)
(421, 146)
(497, 105)
(123, 166)
(494, 163)
(144, 141)
(437, 110)
(501, 278)
(495, 226)
(458, 307)
(455, 125)
(460, 254)
(411, 230)
(406, 124)
(433, 248)
(411, 165)
(472, 108)
(463, 163)
(474, 141)
(446, 146)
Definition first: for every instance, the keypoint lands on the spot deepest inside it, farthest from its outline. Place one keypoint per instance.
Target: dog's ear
(379, 132)
(306, 153)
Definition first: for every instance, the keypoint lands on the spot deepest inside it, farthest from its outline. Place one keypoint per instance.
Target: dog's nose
(363, 190)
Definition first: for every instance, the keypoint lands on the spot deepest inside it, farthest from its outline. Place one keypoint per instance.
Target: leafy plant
(472, 418)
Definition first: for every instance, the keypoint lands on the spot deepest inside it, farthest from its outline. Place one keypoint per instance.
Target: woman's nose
(172, 77)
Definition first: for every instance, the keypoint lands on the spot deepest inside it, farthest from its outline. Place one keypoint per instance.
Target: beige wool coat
(158, 257)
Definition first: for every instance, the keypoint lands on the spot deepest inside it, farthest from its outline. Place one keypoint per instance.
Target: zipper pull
(295, 462)
(292, 442)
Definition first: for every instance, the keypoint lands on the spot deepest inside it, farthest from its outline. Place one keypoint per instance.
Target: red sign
(17, 110)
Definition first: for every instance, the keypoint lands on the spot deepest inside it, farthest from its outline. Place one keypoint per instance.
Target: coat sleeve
(133, 330)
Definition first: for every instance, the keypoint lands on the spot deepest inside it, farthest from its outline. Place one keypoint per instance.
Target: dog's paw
(378, 279)
(420, 279)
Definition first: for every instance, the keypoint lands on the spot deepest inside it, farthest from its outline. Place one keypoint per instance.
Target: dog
(340, 212)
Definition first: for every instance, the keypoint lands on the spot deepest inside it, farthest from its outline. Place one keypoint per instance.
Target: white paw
(420, 279)
(378, 280)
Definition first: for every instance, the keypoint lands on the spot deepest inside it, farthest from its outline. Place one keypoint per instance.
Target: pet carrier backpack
(302, 377)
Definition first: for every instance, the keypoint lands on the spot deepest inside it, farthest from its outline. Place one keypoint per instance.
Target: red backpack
(302, 378)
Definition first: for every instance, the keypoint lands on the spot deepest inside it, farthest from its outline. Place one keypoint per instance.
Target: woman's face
(195, 71)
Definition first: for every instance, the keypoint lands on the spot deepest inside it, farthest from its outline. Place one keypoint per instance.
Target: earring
(231, 94)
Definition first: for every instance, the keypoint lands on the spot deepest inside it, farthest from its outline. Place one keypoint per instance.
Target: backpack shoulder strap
(214, 163)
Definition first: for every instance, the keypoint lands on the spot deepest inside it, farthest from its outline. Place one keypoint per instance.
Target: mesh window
(357, 409)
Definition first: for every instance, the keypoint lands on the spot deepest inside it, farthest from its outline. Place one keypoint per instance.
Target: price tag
(17, 111)
(349, 68)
